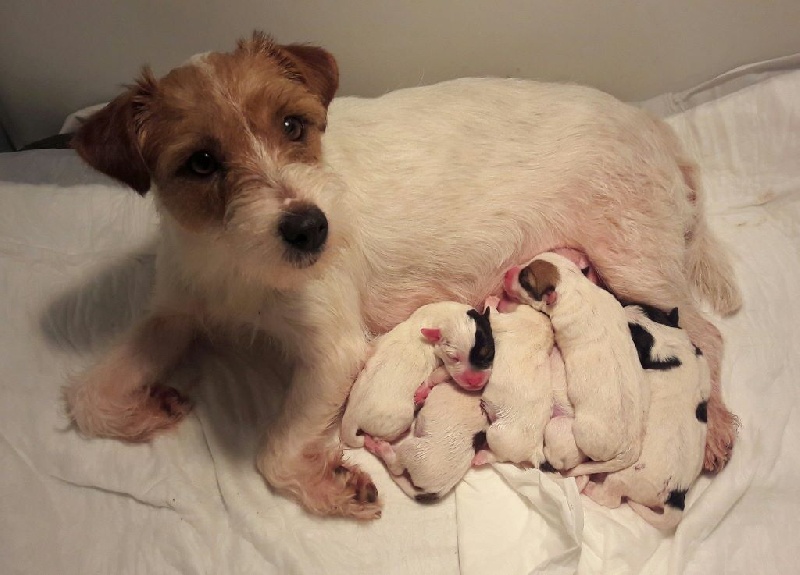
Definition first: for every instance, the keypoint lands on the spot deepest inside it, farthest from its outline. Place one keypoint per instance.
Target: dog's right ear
(109, 139)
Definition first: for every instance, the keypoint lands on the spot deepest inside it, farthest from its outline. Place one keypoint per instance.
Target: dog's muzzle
(304, 229)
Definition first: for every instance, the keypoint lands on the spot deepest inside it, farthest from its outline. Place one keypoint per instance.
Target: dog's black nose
(305, 230)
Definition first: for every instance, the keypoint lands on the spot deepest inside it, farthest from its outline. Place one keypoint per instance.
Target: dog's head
(230, 144)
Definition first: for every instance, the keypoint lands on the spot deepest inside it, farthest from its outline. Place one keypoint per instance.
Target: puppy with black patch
(518, 399)
(446, 337)
(605, 383)
(672, 451)
(438, 450)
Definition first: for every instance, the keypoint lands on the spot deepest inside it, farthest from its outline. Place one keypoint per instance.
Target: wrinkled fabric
(76, 269)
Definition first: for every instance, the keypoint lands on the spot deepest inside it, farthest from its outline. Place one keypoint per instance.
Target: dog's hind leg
(120, 396)
(722, 424)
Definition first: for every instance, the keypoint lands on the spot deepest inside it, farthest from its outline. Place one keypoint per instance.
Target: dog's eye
(202, 164)
(294, 128)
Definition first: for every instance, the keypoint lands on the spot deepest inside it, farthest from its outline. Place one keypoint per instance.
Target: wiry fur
(674, 442)
(438, 450)
(519, 396)
(548, 165)
(605, 383)
(381, 402)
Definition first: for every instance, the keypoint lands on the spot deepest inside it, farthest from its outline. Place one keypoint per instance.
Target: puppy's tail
(707, 265)
(665, 521)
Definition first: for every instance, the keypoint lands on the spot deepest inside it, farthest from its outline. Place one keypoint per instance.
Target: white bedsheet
(75, 269)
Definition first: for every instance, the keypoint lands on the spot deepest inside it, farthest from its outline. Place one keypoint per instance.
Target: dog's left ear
(318, 68)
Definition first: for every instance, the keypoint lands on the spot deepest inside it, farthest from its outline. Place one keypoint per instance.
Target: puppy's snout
(305, 229)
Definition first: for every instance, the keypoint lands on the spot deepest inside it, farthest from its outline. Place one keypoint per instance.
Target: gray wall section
(59, 55)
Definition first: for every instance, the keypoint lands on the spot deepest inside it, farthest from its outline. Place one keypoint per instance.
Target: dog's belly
(451, 184)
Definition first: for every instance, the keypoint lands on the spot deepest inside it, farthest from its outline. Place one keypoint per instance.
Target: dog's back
(570, 144)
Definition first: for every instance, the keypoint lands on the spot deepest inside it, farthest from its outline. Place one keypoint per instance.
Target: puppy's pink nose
(473, 380)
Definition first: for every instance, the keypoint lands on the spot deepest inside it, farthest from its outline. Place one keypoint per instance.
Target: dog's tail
(707, 265)
(666, 520)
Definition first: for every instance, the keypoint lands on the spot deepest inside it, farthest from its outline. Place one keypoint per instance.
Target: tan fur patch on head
(539, 277)
(247, 113)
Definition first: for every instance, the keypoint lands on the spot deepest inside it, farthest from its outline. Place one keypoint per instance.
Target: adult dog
(422, 195)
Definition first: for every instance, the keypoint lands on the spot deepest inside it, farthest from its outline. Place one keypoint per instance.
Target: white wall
(59, 55)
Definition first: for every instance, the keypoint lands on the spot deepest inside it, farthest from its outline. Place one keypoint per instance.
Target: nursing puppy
(605, 383)
(518, 399)
(382, 401)
(672, 451)
(560, 449)
(421, 195)
(437, 452)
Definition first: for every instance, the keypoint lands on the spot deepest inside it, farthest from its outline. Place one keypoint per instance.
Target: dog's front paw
(136, 417)
(721, 435)
(322, 482)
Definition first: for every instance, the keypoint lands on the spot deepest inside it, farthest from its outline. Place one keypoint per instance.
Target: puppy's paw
(482, 457)
(421, 394)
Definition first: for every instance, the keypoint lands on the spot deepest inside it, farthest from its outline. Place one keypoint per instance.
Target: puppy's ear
(109, 140)
(433, 335)
(318, 68)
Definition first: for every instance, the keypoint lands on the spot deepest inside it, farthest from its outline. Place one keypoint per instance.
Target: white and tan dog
(421, 195)
(382, 401)
(518, 399)
(605, 382)
(438, 450)
(672, 452)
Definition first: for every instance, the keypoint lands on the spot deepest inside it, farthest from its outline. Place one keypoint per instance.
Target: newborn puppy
(605, 382)
(672, 451)
(560, 449)
(518, 399)
(438, 450)
(381, 402)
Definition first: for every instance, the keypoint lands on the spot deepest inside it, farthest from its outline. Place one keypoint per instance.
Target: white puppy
(418, 196)
(672, 452)
(382, 401)
(518, 399)
(605, 382)
(437, 452)
(560, 449)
